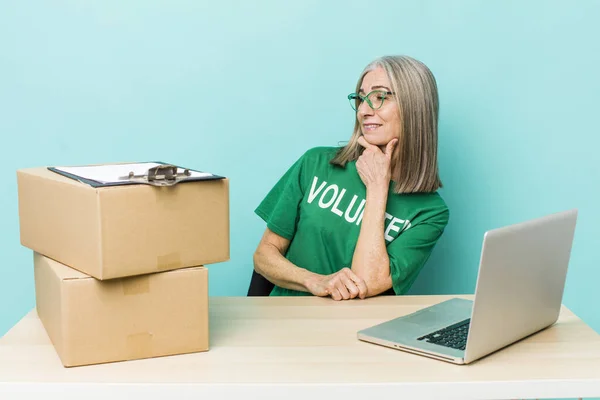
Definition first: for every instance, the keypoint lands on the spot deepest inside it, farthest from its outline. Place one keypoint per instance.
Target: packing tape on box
(168, 261)
(135, 285)
(139, 345)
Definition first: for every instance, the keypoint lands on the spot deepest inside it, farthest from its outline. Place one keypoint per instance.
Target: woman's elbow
(256, 259)
(377, 285)
(261, 257)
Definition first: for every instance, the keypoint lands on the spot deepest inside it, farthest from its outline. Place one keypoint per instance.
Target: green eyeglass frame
(356, 99)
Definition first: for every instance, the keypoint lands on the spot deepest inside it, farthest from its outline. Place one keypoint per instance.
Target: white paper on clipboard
(115, 173)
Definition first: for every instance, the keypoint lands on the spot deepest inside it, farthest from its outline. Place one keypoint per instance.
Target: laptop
(519, 291)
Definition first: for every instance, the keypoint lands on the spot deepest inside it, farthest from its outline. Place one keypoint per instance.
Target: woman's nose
(364, 109)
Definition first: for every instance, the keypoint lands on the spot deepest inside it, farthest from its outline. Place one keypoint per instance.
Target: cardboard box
(117, 231)
(91, 321)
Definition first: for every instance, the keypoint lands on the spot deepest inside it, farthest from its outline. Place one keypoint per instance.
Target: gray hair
(416, 165)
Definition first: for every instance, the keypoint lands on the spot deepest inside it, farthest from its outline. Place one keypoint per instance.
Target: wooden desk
(305, 348)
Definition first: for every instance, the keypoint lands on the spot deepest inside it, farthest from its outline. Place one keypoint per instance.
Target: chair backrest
(259, 285)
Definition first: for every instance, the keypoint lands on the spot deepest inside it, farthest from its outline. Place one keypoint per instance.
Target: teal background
(243, 88)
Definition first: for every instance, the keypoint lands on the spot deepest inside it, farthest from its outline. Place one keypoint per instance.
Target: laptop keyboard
(454, 336)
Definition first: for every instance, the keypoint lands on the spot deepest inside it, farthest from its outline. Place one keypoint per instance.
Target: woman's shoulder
(428, 203)
(436, 198)
(321, 151)
(320, 154)
(421, 208)
(436, 207)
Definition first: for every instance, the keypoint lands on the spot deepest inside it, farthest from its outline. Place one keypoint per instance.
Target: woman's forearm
(370, 260)
(270, 263)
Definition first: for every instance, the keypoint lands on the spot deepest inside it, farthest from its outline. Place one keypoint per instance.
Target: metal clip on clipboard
(161, 175)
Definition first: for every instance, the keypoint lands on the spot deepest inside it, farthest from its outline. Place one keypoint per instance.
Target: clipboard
(156, 173)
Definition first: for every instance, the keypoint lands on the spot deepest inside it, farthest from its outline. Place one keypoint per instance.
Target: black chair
(259, 285)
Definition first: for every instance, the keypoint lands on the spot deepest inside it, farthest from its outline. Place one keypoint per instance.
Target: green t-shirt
(318, 207)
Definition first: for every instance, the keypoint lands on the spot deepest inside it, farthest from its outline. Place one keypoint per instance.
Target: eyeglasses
(374, 99)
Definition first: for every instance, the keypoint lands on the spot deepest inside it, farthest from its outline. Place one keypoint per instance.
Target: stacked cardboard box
(120, 271)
